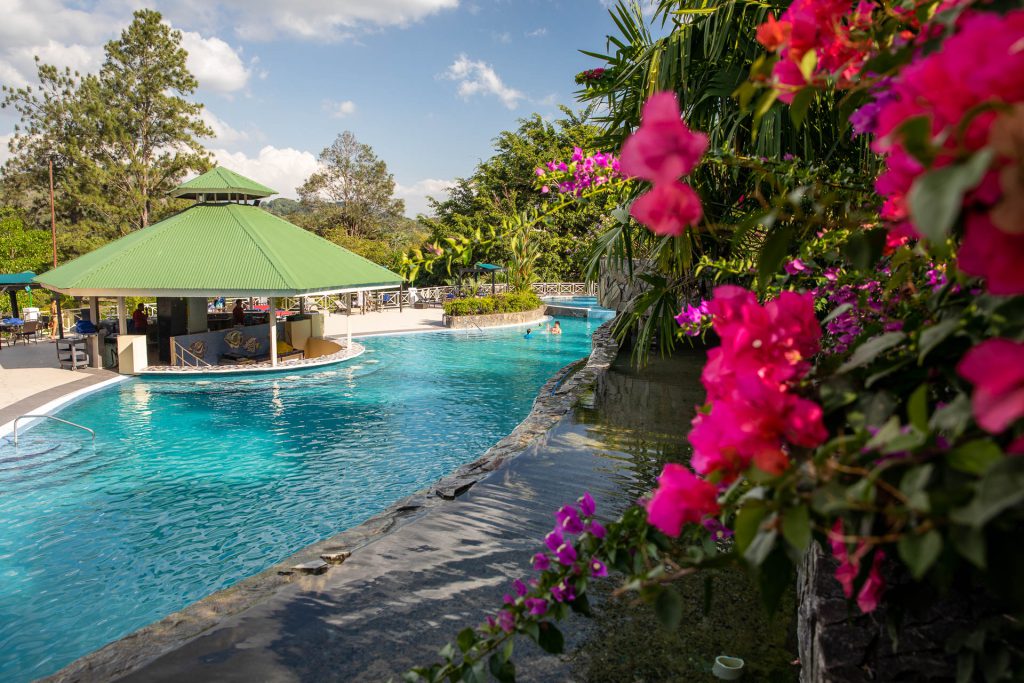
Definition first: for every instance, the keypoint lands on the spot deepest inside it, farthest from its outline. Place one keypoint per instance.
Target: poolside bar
(224, 247)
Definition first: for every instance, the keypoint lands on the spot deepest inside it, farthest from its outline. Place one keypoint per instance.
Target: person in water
(529, 334)
(556, 328)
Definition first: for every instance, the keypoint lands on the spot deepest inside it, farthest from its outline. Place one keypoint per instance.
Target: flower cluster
(660, 151)
(970, 93)
(694, 319)
(571, 520)
(817, 41)
(869, 305)
(753, 415)
(849, 568)
(580, 174)
(590, 76)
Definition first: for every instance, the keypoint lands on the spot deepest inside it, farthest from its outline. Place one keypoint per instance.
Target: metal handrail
(50, 417)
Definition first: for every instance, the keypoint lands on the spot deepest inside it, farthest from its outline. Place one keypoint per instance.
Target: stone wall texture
(616, 288)
(839, 644)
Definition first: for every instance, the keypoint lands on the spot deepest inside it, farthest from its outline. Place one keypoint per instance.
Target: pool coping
(554, 400)
(60, 401)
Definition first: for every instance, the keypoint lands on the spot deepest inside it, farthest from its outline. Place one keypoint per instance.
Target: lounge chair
(29, 330)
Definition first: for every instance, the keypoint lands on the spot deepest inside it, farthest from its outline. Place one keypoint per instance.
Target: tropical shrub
(513, 302)
(865, 385)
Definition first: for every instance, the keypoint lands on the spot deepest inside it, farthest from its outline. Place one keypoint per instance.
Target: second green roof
(221, 183)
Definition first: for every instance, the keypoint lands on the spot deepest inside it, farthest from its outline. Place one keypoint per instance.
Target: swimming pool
(195, 484)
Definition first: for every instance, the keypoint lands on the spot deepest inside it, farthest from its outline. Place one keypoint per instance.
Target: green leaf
(915, 479)
(936, 197)
(551, 639)
(863, 249)
(953, 418)
(502, 670)
(974, 457)
(776, 246)
(774, 576)
(919, 552)
(761, 546)
(447, 651)
(1001, 487)
(807, 64)
(669, 607)
(796, 527)
(871, 349)
(965, 667)
(748, 520)
(916, 133)
(801, 105)
(466, 639)
(581, 605)
(917, 408)
(935, 335)
(970, 543)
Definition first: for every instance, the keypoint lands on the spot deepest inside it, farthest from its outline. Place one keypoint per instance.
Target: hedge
(500, 303)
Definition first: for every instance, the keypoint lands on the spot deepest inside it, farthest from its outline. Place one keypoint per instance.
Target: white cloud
(504, 37)
(339, 110)
(283, 169)
(479, 77)
(63, 36)
(324, 20)
(214, 63)
(415, 195)
(537, 33)
(223, 132)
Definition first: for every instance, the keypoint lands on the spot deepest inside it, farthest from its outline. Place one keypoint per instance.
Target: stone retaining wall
(462, 322)
(556, 398)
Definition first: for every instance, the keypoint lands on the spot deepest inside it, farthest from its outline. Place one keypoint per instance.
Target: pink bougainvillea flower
(668, 209)
(993, 254)
(553, 540)
(597, 568)
(663, 148)
(996, 369)
(795, 266)
(566, 554)
(596, 529)
(681, 497)
(520, 587)
(506, 621)
(563, 592)
(569, 520)
(541, 562)
(536, 606)
(717, 530)
(587, 505)
(871, 592)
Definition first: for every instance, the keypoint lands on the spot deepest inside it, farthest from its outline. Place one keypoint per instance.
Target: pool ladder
(49, 417)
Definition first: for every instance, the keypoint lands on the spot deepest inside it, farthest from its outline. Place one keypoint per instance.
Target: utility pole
(53, 232)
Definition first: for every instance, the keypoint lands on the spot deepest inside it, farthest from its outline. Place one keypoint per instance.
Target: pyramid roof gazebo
(219, 247)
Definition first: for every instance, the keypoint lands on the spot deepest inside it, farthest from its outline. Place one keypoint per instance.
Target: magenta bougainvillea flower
(871, 592)
(536, 606)
(587, 505)
(681, 498)
(541, 562)
(996, 369)
(569, 520)
(663, 149)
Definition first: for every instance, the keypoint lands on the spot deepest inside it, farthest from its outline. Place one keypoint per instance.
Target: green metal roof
(220, 249)
(221, 182)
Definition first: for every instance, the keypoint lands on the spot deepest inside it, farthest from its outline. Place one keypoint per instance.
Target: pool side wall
(462, 322)
(555, 399)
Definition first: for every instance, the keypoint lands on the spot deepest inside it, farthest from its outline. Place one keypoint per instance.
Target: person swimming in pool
(529, 334)
(556, 328)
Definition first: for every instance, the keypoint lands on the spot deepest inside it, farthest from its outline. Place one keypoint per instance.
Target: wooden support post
(272, 321)
(95, 349)
(401, 288)
(122, 316)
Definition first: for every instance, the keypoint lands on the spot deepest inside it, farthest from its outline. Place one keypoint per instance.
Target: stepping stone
(313, 567)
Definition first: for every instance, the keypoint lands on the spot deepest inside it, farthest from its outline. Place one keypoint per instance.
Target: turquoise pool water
(193, 485)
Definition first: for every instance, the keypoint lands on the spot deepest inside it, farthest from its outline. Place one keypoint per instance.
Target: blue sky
(427, 83)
